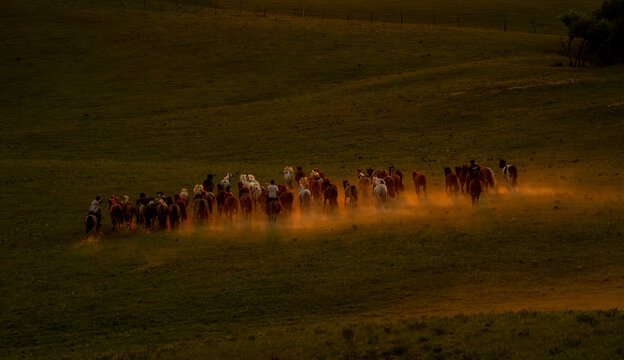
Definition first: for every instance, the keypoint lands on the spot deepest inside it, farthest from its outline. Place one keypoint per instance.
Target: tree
(597, 38)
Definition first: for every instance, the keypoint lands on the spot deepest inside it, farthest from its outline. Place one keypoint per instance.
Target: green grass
(99, 99)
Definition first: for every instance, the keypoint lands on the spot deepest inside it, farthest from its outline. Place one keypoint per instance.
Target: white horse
(364, 185)
(184, 195)
(225, 183)
(380, 191)
(289, 178)
(305, 198)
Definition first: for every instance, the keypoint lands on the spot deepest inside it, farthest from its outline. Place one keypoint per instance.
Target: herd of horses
(376, 185)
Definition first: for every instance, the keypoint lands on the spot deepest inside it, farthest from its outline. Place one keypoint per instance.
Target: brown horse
(246, 205)
(474, 189)
(452, 185)
(174, 215)
(128, 211)
(463, 172)
(182, 205)
(351, 192)
(419, 181)
(220, 199)
(389, 180)
(300, 174)
(230, 206)
(115, 211)
(273, 210)
(200, 209)
(315, 188)
(486, 175)
(286, 199)
(397, 173)
(330, 194)
(163, 211)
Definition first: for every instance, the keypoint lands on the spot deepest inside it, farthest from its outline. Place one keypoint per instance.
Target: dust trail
(435, 207)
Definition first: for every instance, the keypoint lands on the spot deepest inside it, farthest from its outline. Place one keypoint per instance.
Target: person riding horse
(96, 210)
(475, 171)
(271, 193)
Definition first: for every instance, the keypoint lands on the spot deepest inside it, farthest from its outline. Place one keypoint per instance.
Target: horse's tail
(492, 178)
(513, 173)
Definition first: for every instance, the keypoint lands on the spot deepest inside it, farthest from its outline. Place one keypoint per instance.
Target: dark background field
(100, 99)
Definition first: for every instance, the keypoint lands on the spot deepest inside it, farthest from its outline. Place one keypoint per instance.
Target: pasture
(99, 99)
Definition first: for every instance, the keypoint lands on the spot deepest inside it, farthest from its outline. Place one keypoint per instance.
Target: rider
(142, 200)
(96, 210)
(271, 192)
(475, 170)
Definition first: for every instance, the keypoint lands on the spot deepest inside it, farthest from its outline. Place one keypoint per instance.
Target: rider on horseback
(475, 170)
(271, 192)
(96, 210)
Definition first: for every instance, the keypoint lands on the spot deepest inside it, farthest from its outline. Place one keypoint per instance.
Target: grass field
(99, 99)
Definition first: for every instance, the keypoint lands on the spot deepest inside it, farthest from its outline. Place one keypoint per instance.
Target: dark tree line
(597, 38)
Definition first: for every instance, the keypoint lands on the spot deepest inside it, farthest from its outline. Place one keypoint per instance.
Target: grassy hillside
(100, 99)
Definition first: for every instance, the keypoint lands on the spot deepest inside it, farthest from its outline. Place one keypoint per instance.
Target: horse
(174, 215)
(452, 186)
(300, 174)
(315, 189)
(486, 175)
(474, 189)
(200, 210)
(230, 206)
(397, 173)
(510, 174)
(242, 188)
(289, 178)
(380, 192)
(208, 184)
(139, 213)
(286, 199)
(184, 195)
(273, 210)
(91, 225)
(127, 210)
(378, 173)
(163, 211)
(364, 184)
(220, 198)
(462, 173)
(246, 204)
(115, 211)
(305, 197)
(351, 192)
(390, 185)
(225, 183)
(419, 181)
(330, 193)
(151, 213)
(182, 205)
